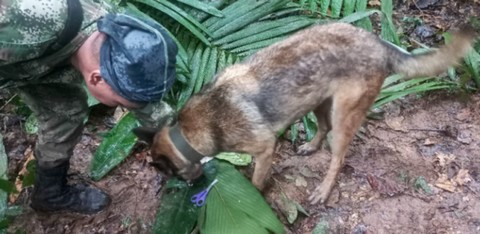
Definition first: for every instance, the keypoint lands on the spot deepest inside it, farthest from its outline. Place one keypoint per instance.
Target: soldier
(48, 48)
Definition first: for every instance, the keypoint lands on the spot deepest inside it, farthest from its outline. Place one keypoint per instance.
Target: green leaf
(472, 60)
(252, 48)
(29, 177)
(421, 183)
(293, 133)
(203, 7)
(195, 62)
(270, 33)
(180, 16)
(176, 214)
(31, 124)
(348, 7)
(200, 75)
(388, 28)
(7, 186)
(248, 17)
(232, 12)
(336, 7)
(255, 28)
(234, 205)
(324, 4)
(321, 227)
(237, 159)
(358, 16)
(310, 126)
(363, 23)
(114, 148)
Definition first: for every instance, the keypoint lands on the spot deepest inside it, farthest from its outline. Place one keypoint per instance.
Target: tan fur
(334, 70)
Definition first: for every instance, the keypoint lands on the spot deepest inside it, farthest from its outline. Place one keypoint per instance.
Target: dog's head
(164, 152)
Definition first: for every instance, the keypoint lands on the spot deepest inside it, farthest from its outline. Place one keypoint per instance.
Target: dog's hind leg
(348, 111)
(324, 124)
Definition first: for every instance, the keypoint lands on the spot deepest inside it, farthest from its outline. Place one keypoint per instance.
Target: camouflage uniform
(49, 85)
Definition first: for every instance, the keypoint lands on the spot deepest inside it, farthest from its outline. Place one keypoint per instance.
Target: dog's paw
(306, 149)
(320, 194)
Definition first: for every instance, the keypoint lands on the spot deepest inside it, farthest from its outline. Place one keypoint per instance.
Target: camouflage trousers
(61, 109)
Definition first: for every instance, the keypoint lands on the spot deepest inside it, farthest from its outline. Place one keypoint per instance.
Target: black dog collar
(182, 145)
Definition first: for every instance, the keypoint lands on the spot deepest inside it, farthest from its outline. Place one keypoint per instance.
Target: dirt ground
(417, 170)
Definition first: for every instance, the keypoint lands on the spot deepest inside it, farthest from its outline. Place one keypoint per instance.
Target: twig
(427, 130)
(9, 100)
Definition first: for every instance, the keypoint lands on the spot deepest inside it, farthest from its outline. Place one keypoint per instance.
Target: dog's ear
(145, 134)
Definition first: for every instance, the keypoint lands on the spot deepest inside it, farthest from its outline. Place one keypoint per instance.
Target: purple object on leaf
(200, 198)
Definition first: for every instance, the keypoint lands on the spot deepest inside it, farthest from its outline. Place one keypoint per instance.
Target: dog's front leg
(263, 163)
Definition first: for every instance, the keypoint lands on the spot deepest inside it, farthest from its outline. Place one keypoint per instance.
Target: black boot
(51, 193)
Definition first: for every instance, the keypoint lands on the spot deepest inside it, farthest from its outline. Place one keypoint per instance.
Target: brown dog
(335, 70)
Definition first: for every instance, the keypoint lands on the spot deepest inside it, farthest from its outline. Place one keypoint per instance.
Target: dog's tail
(435, 62)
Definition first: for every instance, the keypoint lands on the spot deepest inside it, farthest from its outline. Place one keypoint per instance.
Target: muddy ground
(417, 170)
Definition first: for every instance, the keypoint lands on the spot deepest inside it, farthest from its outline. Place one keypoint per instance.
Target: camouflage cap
(137, 58)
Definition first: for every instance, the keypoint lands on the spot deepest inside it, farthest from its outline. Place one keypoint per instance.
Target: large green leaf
(234, 205)
(203, 7)
(114, 148)
(176, 213)
(180, 16)
(388, 28)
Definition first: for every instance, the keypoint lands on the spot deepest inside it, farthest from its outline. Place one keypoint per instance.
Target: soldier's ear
(94, 78)
(145, 134)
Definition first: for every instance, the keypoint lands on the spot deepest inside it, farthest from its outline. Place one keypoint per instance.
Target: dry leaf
(444, 183)
(18, 181)
(429, 141)
(374, 3)
(300, 181)
(462, 177)
(396, 123)
(444, 160)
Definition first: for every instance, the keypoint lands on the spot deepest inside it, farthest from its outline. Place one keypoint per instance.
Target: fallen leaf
(462, 177)
(443, 160)
(396, 123)
(288, 208)
(300, 181)
(444, 183)
(301, 209)
(429, 141)
(421, 183)
(237, 159)
(18, 181)
(119, 113)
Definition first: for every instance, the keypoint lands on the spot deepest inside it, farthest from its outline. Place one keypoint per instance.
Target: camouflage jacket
(28, 27)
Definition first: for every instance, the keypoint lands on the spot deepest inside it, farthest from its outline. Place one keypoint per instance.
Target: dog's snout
(191, 172)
